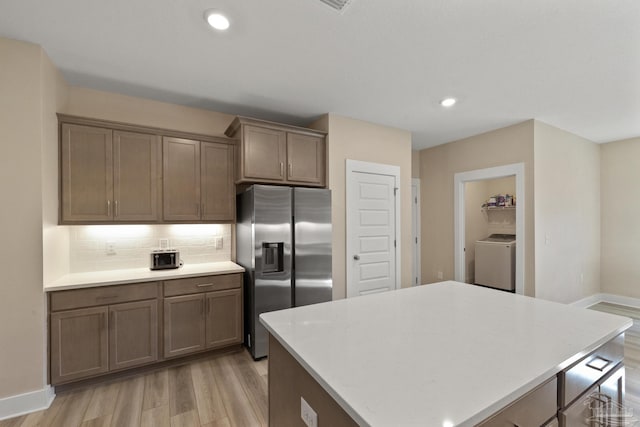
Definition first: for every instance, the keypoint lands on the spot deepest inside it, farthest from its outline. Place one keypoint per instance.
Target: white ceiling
(574, 64)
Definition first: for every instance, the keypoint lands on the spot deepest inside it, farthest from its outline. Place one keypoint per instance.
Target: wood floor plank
(156, 417)
(220, 423)
(254, 386)
(156, 389)
(181, 395)
(71, 413)
(103, 421)
(103, 401)
(239, 411)
(186, 419)
(128, 407)
(13, 422)
(207, 393)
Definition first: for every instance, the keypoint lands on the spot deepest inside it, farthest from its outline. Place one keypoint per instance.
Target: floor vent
(336, 4)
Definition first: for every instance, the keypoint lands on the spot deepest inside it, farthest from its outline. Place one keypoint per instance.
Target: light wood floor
(221, 391)
(631, 352)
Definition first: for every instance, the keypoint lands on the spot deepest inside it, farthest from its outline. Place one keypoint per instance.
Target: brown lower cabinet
(95, 331)
(197, 322)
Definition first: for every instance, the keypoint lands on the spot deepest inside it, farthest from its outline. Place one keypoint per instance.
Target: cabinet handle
(208, 306)
(281, 169)
(108, 207)
(202, 209)
(204, 285)
(116, 203)
(290, 170)
(197, 209)
(201, 307)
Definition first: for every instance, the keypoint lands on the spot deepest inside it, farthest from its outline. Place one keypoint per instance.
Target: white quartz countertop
(135, 275)
(445, 354)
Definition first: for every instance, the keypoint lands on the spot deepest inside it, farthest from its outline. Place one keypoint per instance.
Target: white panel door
(373, 233)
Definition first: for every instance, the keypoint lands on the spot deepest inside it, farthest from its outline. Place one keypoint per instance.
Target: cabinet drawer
(105, 295)
(197, 285)
(533, 409)
(578, 378)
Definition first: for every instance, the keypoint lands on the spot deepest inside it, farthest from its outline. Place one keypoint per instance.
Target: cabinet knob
(356, 257)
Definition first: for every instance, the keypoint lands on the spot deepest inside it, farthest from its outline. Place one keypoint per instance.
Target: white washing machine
(495, 263)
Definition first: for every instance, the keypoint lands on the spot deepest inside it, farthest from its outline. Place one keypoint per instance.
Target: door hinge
(416, 280)
(415, 200)
(249, 339)
(395, 190)
(394, 243)
(416, 240)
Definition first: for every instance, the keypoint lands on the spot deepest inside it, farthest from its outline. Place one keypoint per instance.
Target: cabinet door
(136, 165)
(612, 390)
(87, 173)
(218, 192)
(183, 325)
(264, 153)
(305, 158)
(224, 318)
(79, 341)
(181, 179)
(133, 334)
(583, 411)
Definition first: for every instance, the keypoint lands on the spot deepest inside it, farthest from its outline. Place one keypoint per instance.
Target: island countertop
(134, 275)
(445, 354)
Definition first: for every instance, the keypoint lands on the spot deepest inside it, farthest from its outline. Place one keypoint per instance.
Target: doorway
(373, 227)
(460, 239)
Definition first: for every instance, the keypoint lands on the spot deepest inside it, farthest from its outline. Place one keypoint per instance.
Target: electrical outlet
(307, 414)
(163, 243)
(218, 242)
(440, 275)
(110, 248)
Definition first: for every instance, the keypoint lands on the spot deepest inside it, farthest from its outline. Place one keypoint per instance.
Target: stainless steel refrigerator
(283, 240)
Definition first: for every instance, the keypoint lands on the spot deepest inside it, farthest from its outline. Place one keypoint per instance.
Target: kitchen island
(446, 354)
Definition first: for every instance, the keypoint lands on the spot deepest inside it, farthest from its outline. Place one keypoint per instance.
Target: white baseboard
(611, 298)
(21, 404)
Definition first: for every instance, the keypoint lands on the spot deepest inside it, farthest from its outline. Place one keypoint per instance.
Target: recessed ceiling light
(448, 102)
(216, 19)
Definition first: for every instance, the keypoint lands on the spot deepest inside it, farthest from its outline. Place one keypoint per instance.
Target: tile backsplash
(114, 247)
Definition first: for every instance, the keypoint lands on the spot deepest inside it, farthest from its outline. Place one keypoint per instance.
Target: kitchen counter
(445, 354)
(137, 275)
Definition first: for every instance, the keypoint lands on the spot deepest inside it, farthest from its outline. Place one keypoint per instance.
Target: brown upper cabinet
(275, 153)
(115, 172)
(108, 175)
(198, 181)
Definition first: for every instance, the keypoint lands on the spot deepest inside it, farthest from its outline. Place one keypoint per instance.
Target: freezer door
(272, 248)
(312, 240)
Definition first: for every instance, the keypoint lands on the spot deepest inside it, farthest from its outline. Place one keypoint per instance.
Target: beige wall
(620, 210)
(475, 223)
(368, 142)
(415, 164)
(567, 213)
(25, 77)
(55, 239)
(120, 108)
(438, 165)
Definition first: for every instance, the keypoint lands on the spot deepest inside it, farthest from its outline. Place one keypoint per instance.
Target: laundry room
(490, 232)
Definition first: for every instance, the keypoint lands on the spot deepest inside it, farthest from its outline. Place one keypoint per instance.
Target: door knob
(356, 257)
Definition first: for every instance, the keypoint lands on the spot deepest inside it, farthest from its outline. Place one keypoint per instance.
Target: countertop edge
(480, 416)
(161, 275)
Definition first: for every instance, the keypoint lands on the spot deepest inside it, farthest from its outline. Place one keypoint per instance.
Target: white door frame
(417, 241)
(460, 179)
(379, 169)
